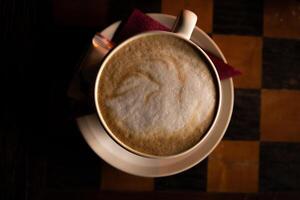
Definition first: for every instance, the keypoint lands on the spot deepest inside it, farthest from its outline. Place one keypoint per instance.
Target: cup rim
(207, 61)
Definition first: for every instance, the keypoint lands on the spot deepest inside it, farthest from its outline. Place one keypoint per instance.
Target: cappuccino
(157, 95)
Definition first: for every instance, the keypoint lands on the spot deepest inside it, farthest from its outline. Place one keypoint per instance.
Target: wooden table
(43, 156)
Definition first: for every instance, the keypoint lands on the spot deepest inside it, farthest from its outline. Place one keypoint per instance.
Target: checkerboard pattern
(261, 148)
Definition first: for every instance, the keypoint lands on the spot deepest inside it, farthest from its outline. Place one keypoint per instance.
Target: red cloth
(224, 70)
(138, 22)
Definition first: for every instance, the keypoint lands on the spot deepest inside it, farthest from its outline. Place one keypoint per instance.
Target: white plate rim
(87, 124)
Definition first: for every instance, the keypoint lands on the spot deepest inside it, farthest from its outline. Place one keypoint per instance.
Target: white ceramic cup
(182, 29)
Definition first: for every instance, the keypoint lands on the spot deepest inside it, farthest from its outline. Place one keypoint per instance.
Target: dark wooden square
(279, 166)
(119, 10)
(244, 124)
(194, 179)
(238, 17)
(281, 63)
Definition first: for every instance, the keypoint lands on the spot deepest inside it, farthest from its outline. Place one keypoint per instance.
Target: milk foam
(158, 85)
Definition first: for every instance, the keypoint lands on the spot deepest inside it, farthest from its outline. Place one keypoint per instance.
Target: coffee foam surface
(157, 95)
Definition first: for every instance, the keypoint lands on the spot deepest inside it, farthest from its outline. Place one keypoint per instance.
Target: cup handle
(185, 24)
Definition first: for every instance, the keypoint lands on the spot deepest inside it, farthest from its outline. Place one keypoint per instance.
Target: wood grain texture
(119, 10)
(18, 19)
(178, 195)
(116, 180)
(244, 53)
(281, 20)
(38, 63)
(281, 63)
(238, 17)
(233, 167)
(279, 166)
(280, 115)
(43, 155)
(193, 179)
(244, 124)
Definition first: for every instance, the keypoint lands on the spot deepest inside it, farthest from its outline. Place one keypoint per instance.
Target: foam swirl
(157, 95)
(161, 95)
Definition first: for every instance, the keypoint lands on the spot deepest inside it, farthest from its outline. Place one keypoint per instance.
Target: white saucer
(115, 155)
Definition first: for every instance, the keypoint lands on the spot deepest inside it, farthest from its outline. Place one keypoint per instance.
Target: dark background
(42, 154)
